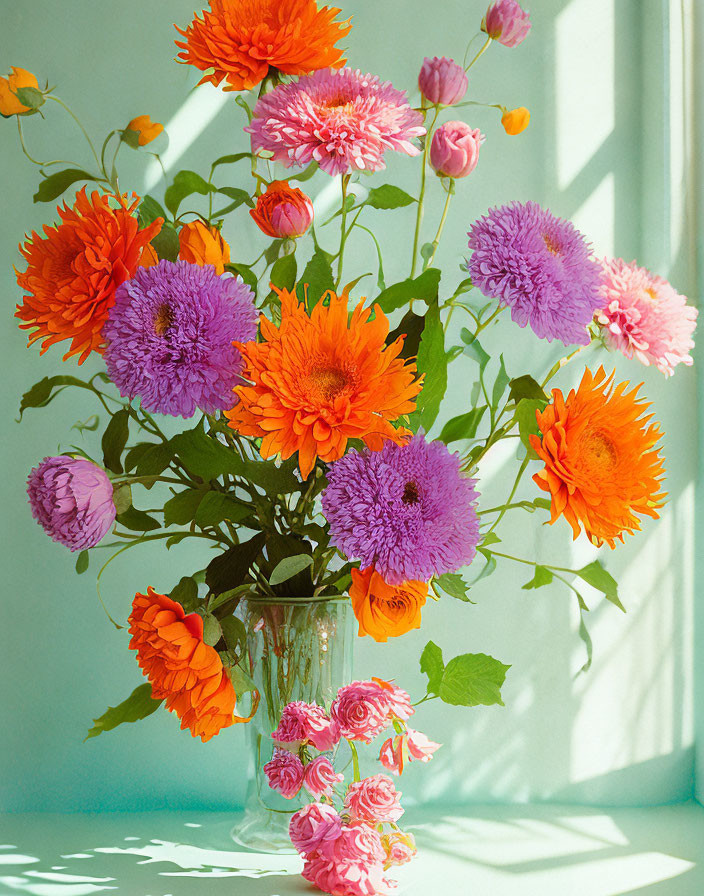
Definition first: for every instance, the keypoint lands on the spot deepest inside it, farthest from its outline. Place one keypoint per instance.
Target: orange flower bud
(9, 102)
(201, 244)
(382, 610)
(515, 120)
(149, 257)
(283, 212)
(147, 129)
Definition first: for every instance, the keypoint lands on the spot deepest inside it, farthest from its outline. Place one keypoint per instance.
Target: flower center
(551, 244)
(164, 320)
(410, 493)
(599, 452)
(328, 382)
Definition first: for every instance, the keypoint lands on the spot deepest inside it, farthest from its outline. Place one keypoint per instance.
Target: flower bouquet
(286, 414)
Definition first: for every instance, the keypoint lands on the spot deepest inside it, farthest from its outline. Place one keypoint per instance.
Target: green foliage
(291, 557)
(137, 520)
(246, 273)
(229, 570)
(463, 426)
(185, 183)
(46, 390)
(283, 272)
(316, 278)
(411, 327)
(55, 184)
(289, 567)
(82, 562)
(473, 679)
(525, 387)
(541, 576)
(239, 197)
(30, 96)
(423, 288)
(474, 350)
(165, 243)
(527, 423)
(149, 210)
(388, 196)
(181, 509)
(138, 705)
(595, 575)
(114, 440)
(432, 363)
(231, 159)
(432, 665)
(211, 630)
(453, 584)
(186, 593)
(500, 383)
(306, 174)
(218, 507)
(148, 459)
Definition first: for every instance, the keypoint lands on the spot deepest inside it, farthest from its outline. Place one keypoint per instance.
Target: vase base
(264, 832)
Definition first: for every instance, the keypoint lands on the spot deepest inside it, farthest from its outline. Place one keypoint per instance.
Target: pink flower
(407, 747)
(391, 755)
(313, 825)
(643, 316)
(351, 865)
(320, 777)
(285, 773)
(400, 705)
(342, 119)
(442, 80)
(400, 848)
(506, 22)
(361, 710)
(306, 723)
(454, 150)
(374, 800)
(420, 746)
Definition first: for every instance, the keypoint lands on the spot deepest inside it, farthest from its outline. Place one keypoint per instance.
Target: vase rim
(318, 599)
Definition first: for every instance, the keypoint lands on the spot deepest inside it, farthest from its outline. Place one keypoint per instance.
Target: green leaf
(525, 387)
(500, 383)
(89, 425)
(114, 440)
(542, 576)
(424, 288)
(595, 575)
(586, 638)
(43, 392)
(432, 665)
(473, 349)
(283, 273)
(298, 583)
(122, 497)
(216, 507)
(462, 427)
(527, 424)
(241, 681)
(30, 96)
(138, 705)
(149, 210)
(246, 273)
(453, 584)
(82, 562)
(137, 520)
(388, 196)
(54, 185)
(411, 328)
(165, 243)
(181, 509)
(229, 570)
(473, 679)
(488, 567)
(239, 197)
(432, 362)
(148, 459)
(234, 632)
(306, 174)
(231, 159)
(316, 278)
(211, 630)
(186, 593)
(289, 567)
(185, 184)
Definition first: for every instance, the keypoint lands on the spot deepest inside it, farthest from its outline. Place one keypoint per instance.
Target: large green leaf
(473, 679)
(316, 278)
(463, 426)
(138, 705)
(527, 423)
(186, 593)
(114, 440)
(229, 570)
(431, 663)
(525, 387)
(388, 196)
(149, 210)
(216, 507)
(56, 184)
(185, 184)
(137, 520)
(423, 288)
(47, 389)
(411, 328)
(596, 576)
(165, 243)
(283, 272)
(541, 577)
(297, 581)
(432, 363)
(181, 509)
(453, 584)
(148, 459)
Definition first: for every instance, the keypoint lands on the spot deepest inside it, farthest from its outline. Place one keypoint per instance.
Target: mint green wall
(591, 74)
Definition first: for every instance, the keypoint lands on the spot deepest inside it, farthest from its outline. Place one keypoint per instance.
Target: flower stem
(436, 241)
(56, 99)
(355, 761)
(480, 53)
(558, 365)
(421, 197)
(343, 228)
(519, 475)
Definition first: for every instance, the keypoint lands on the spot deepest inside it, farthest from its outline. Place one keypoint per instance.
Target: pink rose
(506, 22)
(400, 848)
(400, 704)
(351, 865)
(406, 747)
(320, 777)
(442, 80)
(313, 825)
(420, 746)
(306, 723)
(374, 800)
(361, 710)
(285, 773)
(454, 150)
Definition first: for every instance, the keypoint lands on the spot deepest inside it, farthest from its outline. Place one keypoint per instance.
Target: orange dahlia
(601, 464)
(181, 667)
(315, 382)
(239, 40)
(72, 273)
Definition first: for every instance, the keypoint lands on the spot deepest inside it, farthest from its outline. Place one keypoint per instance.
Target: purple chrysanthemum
(539, 265)
(342, 119)
(71, 499)
(406, 510)
(170, 333)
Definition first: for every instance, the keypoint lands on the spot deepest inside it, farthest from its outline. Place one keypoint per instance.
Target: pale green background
(607, 147)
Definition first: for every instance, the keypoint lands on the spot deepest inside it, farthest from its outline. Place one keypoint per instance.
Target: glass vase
(297, 649)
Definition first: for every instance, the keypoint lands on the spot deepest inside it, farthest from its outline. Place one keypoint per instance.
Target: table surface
(538, 850)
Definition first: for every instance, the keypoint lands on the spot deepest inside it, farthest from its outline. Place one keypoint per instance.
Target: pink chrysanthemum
(344, 120)
(644, 317)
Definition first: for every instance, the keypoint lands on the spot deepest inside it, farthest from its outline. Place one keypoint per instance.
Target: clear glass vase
(297, 649)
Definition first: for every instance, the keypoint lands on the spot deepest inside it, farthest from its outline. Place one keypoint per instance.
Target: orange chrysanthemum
(239, 40)
(180, 666)
(72, 273)
(315, 382)
(601, 464)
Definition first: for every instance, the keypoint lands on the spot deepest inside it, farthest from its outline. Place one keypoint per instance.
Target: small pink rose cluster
(342, 836)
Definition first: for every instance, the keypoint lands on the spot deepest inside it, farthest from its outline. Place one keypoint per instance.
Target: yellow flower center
(598, 452)
(551, 244)
(164, 320)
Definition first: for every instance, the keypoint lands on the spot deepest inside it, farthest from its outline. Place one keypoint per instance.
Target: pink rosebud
(361, 710)
(419, 746)
(312, 825)
(373, 800)
(400, 705)
(391, 755)
(320, 777)
(400, 848)
(454, 150)
(506, 22)
(350, 865)
(306, 723)
(409, 746)
(442, 80)
(285, 773)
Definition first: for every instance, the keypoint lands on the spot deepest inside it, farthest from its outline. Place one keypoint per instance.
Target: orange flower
(382, 610)
(72, 273)
(9, 103)
(239, 40)
(181, 667)
(201, 244)
(283, 211)
(149, 257)
(147, 129)
(515, 120)
(315, 382)
(601, 464)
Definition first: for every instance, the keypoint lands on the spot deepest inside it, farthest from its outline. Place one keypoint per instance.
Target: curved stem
(558, 365)
(343, 229)
(421, 197)
(519, 475)
(56, 99)
(36, 161)
(436, 241)
(484, 48)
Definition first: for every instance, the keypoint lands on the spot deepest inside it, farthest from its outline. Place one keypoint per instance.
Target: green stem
(56, 99)
(36, 161)
(529, 562)
(519, 475)
(343, 229)
(558, 365)
(484, 48)
(436, 241)
(421, 197)
(355, 761)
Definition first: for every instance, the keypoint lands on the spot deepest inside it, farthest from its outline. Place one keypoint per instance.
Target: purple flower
(406, 510)
(71, 499)
(539, 265)
(170, 333)
(442, 80)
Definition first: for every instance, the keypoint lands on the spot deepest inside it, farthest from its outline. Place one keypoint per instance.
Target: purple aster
(406, 510)
(71, 498)
(539, 265)
(170, 333)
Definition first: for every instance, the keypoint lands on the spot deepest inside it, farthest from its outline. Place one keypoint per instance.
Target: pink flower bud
(442, 80)
(506, 22)
(454, 151)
